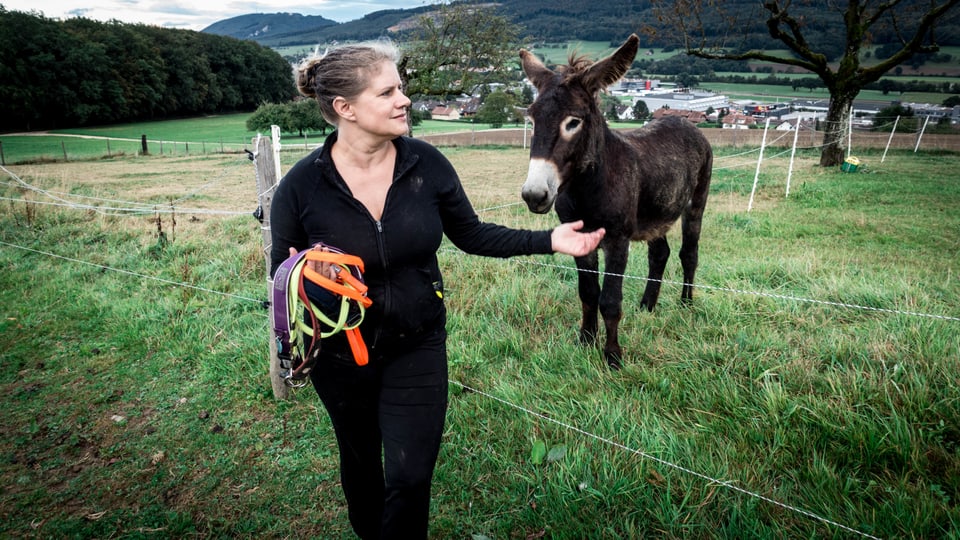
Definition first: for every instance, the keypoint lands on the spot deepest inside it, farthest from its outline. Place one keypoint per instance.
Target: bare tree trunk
(835, 130)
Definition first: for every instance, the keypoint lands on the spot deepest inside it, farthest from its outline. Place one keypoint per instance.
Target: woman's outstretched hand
(567, 239)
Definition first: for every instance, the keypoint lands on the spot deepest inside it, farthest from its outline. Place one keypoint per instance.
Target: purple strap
(281, 310)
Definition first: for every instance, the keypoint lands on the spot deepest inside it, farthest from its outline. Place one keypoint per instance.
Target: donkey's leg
(689, 252)
(692, 220)
(611, 298)
(588, 287)
(658, 251)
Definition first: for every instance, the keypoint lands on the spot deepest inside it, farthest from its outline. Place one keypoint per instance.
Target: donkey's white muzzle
(540, 189)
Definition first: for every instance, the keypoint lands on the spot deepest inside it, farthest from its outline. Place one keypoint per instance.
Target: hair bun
(307, 78)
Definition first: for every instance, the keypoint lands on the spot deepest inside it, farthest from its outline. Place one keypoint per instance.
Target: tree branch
(912, 46)
(794, 40)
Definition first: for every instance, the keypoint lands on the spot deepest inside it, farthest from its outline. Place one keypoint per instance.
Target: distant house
(445, 113)
(696, 117)
(624, 112)
(469, 108)
(791, 124)
(426, 106)
(738, 121)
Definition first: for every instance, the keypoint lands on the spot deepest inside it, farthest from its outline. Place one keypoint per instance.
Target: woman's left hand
(567, 239)
(322, 268)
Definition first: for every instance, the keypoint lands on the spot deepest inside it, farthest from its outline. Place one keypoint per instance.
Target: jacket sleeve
(285, 228)
(465, 229)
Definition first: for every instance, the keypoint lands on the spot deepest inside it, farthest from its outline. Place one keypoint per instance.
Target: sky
(198, 14)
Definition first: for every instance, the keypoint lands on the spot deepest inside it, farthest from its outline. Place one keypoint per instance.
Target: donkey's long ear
(609, 70)
(534, 68)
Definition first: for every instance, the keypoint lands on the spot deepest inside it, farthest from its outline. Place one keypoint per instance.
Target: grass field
(195, 136)
(810, 391)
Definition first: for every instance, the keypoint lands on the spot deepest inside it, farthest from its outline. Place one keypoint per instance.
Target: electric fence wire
(754, 293)
(565, 425)
(645, 455)
(70, 200)
(131, 273)
(142, 208)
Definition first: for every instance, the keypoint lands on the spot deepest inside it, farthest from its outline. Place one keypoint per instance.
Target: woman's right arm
(286, 231)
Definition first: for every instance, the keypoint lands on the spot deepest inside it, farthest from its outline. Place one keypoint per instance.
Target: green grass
(816, 367)
(558, 54)
(771, 92)
(192, 136)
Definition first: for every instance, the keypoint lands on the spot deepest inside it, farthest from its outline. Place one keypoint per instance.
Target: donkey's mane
(576, 63)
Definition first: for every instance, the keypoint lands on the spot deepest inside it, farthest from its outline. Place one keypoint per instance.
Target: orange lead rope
(346, 285)
(299, 324)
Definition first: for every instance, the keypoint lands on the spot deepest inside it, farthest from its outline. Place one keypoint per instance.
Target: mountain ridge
(546, 21)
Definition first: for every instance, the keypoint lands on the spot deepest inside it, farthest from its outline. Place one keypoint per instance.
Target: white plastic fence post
(850, 131)
(756, 175)
(920, 136)
(889, 139)
(275, 137)
(793, 152)
(525, 120)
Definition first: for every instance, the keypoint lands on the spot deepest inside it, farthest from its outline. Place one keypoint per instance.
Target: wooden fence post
(143, 145)
(266, 159)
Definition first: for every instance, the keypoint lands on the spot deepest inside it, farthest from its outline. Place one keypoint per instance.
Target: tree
(269, 114)
(609, 105)
(302, 115)
(115, 72)
(305, 116)
(640, 110)
(887, 116)
(686, 80)
(526, 95)
(457, 49)
(795, 24)
(496, 109)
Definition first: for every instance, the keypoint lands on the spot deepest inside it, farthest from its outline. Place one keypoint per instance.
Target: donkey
(635, 185)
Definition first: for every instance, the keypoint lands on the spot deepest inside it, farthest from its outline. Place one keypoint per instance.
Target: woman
(372, 192)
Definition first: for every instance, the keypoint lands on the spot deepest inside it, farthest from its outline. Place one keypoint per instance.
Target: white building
(690, 100)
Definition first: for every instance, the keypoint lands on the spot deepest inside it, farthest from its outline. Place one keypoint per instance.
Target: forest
(565, 20)
(76, 72)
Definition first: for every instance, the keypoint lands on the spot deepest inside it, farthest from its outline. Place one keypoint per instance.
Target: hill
(561, 21)
(264, 26)
(287, 29)
(541, 20)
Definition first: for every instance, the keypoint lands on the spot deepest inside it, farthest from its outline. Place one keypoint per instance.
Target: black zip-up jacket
(426, 200)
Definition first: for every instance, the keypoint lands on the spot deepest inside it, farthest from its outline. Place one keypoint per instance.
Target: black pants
(388, 417)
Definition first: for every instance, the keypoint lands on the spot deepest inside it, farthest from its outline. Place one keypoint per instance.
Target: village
(702, 106)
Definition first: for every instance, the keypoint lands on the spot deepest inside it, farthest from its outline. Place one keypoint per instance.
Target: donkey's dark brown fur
(635, 185)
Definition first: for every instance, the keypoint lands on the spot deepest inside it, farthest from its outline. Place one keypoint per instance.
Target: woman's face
(381, 108)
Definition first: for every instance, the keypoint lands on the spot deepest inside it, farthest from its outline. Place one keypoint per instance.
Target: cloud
(79, 12)
(183, 14)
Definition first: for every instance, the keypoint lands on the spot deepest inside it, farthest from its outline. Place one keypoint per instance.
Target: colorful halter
(299, 324)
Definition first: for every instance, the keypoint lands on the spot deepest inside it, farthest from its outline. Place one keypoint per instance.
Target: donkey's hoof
(613, 360)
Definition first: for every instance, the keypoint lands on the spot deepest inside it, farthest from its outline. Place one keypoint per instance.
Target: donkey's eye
(571, 125)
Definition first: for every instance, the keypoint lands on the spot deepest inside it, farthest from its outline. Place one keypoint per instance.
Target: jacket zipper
(386, 278)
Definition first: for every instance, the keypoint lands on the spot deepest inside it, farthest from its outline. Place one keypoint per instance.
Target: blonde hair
(344, 72)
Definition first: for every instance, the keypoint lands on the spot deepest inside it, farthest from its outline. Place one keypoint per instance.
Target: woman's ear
(343, 108)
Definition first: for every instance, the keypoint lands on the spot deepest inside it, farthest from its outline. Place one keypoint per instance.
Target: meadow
(225, 133)
(810, 391)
